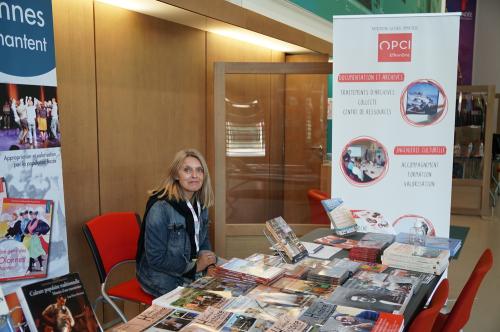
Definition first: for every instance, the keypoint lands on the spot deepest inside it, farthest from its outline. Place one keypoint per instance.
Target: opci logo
(394, 47)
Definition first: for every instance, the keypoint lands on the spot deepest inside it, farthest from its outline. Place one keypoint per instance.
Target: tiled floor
(483, 233)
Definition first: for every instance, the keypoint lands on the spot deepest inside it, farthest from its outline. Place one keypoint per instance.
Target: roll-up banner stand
(394, 90)
(33, 243)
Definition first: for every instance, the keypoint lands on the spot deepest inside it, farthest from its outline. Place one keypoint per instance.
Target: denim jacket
(167, 249)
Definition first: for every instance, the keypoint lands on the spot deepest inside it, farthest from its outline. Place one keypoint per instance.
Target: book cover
(224, 287)
(25, 229)
(335, 241)
(285, 240)
(292, 285)
(394, 302)
(259, 271)
(285, 324)
(264, 259)
(318, 313)
(347, 319)
(266, 295)
(58, 304)
(6, 324)
(342, 221)
(194, 300)
(212, 319)
(247, 306)
(144, 320)
(435, 242)
(176, 320)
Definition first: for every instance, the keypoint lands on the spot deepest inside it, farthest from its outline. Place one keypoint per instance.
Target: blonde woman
(174, 247)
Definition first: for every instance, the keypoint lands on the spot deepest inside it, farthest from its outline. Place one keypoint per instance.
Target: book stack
(284, 240)
(435, 242)
(370, 247)
(246, 271)
(333, 275)
(340, 216)
(416, 258)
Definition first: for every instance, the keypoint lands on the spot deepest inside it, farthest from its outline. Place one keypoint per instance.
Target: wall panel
(74, 40)
(151, 101)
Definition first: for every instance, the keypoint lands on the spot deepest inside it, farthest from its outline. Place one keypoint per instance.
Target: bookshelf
(475, 115)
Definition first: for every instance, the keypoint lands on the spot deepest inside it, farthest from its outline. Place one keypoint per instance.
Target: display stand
(474, 127)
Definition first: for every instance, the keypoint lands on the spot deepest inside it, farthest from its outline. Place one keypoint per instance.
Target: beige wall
(133, 90)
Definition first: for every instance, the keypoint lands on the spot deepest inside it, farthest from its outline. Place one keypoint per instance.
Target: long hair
(171, 188)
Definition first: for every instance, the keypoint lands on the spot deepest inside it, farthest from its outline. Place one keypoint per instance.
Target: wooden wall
(133, 90)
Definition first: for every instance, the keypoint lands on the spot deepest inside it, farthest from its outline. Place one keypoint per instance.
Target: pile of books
(336, 241)
(333, 275)
(284, 240)
(370, 247)
(453, 245)
(340, 216)
(416, 258)
(250, 272)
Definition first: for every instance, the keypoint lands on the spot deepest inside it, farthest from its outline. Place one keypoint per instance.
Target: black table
(418, 299)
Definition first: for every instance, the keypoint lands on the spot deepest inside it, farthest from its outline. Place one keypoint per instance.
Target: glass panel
(470, 116)
(275, 139)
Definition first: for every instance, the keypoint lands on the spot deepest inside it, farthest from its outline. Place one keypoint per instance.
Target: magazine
(58, 304)
(174, 321)
(340, 216)
(144, 320)
(284, 240)
(335, 241)
(392, 302)
(190, 299)
(25, 228)
(348, 319)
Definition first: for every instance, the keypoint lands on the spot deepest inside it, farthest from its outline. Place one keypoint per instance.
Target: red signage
(394, 47)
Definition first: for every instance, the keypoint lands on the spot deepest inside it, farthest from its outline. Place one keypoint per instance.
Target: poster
(393, 118)
(33, 243)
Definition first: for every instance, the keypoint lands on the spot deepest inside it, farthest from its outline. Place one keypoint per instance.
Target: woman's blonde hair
(171, 188)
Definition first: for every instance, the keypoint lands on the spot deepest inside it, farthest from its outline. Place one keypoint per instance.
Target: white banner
(394, 89)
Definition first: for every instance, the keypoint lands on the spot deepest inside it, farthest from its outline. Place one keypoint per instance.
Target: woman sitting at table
(174, 247)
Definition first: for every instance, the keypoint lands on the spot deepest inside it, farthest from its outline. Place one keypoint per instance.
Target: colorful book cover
(340, 216)
(370, 300)
(16, 313)
(224, 287)
(25, 229)
(144, 320)
(58, 304)
(349, 319)
(285, 239)
(175, 321)
(194, 300)
(292, 285)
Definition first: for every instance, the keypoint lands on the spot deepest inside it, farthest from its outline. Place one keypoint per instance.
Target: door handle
(317, 147)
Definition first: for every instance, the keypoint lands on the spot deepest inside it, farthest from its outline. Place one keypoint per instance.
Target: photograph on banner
(408, 221)
(364, 161)
(423, 103)
(29, 117)
(35, 203)
(24, 237)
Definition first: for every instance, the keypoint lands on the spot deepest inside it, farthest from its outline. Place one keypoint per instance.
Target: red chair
(318, 213)
(459, 315)
(112, 238)
(426, 318)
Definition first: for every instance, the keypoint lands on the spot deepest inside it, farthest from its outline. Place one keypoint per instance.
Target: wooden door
(306, 107)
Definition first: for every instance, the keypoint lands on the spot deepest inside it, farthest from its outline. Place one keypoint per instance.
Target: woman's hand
(205, 259)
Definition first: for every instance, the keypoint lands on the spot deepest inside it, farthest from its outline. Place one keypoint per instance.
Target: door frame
(220, 70)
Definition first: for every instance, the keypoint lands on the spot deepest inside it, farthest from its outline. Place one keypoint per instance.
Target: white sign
(394, 87)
